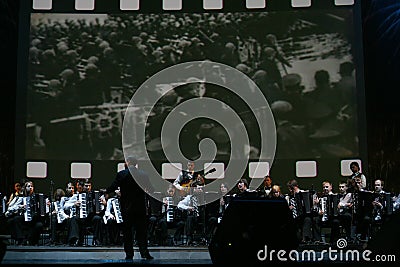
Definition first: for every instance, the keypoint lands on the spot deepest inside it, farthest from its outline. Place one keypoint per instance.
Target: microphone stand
(203, 218)
(51, 226)
(51, 189)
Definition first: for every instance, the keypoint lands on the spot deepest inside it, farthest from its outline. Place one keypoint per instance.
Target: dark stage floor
(100, 255)
(65, 255)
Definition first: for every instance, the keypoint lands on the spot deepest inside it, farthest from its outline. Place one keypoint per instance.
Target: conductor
(133, 207)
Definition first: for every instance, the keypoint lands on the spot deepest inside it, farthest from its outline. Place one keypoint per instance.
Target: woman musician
(58, 216)
(18, 192)
(24, 215)
(215, 211)
(67, 204)
(15, 218)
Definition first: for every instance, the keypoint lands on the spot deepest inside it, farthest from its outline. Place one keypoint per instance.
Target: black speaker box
(251, 224)
(386, 240)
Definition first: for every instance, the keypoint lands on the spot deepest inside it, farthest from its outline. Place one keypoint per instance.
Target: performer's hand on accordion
(191, 208)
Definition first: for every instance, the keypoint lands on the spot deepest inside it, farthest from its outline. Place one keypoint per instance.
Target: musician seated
(112, 220)
(266, 186)
(344, 218)
(371, 214)
(59, 220)
(362, 208)
(94, 217)
(14, 210)
(83, 203)
(18, 191)
(72, 206)
(334, 211)
(378, 203)
(323, 218)
(189, 182)
(28, 217)
(275, 193)
(154, 210)
(69, 204)
(190, 204)
(215, 210)
(302, 222)
(244, 191)
(170, 217)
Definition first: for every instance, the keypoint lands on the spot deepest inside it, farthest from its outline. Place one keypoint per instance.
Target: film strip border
(304, 169)
(178, 5)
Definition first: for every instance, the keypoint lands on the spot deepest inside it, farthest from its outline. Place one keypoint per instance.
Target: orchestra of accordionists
(309, 202)
(367, 210)
(37, 211)
(304, 203)
(39, 205)
(361, 202)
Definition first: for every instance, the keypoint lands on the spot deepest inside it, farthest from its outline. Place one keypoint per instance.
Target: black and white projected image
(84, 69)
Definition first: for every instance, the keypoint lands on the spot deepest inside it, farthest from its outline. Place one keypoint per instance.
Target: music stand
(52, 200)
(202, 215)
(207, 196)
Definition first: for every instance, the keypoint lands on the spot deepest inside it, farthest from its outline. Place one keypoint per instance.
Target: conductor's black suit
(133, 208)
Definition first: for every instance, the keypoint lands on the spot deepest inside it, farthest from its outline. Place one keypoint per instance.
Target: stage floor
(181, 255)
(103, 255)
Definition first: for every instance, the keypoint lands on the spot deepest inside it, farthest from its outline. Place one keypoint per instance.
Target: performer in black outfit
(133, 207)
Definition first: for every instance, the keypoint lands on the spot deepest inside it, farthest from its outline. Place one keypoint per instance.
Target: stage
(168, 255)
(103, 255)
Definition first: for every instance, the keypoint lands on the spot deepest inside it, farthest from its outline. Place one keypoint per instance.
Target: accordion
(304, 202)
(35, 205)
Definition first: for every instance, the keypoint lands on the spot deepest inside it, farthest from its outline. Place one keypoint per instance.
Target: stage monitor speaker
(386, 239)
(247, 226)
